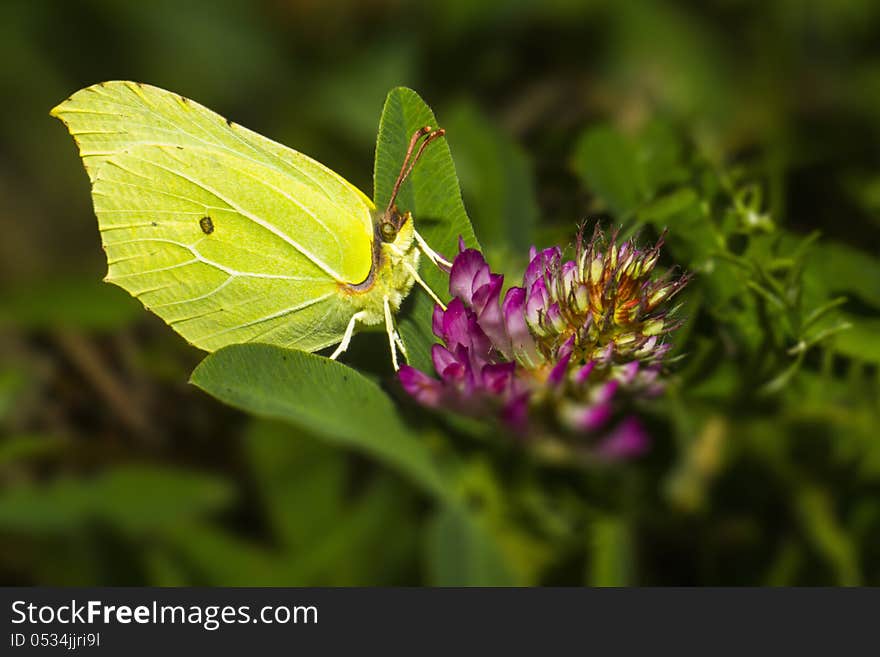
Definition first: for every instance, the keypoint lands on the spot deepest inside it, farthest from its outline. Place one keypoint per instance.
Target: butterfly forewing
(225, 234)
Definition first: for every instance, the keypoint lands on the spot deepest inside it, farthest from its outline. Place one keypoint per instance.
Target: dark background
(114, 471)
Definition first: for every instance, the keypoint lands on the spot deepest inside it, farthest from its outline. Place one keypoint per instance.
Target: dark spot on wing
(153, 223)
(207, 225)
(229, 123)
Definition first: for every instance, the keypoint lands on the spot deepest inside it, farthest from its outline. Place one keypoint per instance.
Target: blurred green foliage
(751, 130)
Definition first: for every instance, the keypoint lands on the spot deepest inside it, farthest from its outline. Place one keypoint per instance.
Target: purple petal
(443, 359)
(607, 392)
(629, 372)
(646, 347)
(484, 294)
(472, 361)
(590, 418)
(496, 376)
(557, 374)
(536, 305)
(607, 354)
(480, 346)
(555, 319)
(482, 277)
(489, 316)
(465, 268)
(457, 373)
(522, 342)
(540, 263)
(649, 375)
(569, 278)
(584, 373)
(420, 386)
(566, 348)
(661, 351)
(455, 324)
(437, 321)
(628, 439)
(516, 413)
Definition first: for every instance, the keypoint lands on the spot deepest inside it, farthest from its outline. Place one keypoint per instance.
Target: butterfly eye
(388, 231)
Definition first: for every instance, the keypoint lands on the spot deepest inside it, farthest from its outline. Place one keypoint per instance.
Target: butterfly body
(228, 236)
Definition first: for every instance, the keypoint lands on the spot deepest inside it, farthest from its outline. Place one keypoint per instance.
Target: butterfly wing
(226, 235)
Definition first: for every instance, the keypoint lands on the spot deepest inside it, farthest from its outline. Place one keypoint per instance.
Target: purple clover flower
(562, 355)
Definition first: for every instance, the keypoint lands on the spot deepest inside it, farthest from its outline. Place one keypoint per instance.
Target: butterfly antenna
(427, 134)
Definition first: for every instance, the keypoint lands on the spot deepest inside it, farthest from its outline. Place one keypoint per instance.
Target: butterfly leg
(346, 338)
(402, 346)
(393, 336)
(435, 258)
(418, 279)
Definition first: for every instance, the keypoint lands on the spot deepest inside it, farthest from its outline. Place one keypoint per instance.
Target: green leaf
(610, 552)
(356, 550)
(353, 549)
(660, 153)
(220, 558)
(336, 538)
(326, 398)
(496, 177)
(417, 333)
(74, 303)
(134, 499)
(461, 552)
(143, 497)
(860, 340)
(607, 163)
(815, 508)
(666, 208)
(840, 268)
(431, 193)
(289, 468)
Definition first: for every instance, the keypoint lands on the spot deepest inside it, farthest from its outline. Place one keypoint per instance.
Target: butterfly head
(391, 223)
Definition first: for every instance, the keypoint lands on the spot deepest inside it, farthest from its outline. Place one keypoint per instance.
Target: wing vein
(207, 261)
(267, 318)
(254, 218)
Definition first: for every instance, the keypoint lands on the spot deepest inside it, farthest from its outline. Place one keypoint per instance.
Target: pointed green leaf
(326, 398)
(860, 341)
(815, 508)
(461, 552)
(610, 552)
(431, 193)
(838, 267)
(287, 468)
(607, 163)
(130, 498)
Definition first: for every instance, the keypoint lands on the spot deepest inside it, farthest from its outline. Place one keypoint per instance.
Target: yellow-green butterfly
(231, 237)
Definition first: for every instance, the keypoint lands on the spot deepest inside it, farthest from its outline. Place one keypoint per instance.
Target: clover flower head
(560, 359)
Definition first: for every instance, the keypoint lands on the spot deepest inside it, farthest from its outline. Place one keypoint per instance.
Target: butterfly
(231, 237)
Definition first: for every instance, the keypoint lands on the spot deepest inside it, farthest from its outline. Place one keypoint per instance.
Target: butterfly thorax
(390, 274)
